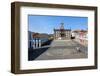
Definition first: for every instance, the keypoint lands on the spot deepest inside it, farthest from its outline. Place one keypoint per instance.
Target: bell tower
(62, 26)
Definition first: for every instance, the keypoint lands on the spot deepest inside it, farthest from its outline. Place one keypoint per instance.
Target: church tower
(62, 33)
(62, 26)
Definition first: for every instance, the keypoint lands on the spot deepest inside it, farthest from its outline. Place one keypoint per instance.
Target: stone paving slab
(63, 49)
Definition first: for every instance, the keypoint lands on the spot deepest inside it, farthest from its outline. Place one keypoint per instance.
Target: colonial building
(81, 36)
(62, 33)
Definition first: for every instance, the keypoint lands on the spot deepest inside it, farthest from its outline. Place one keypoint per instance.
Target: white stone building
(62, 33)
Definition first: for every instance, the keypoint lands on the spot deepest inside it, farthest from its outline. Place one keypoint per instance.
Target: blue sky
(46, 24)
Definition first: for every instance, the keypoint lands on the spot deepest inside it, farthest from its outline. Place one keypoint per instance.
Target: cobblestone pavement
(63, 49)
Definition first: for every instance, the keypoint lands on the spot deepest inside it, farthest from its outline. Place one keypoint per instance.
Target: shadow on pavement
(34, 53)
(47, 43)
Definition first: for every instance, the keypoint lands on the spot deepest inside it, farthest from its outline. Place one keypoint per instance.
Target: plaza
(60, 49)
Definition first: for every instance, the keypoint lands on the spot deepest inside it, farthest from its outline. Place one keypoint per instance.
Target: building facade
(81, 36)
(62, 33)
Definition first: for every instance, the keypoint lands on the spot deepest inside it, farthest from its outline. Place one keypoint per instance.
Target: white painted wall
(5, 33)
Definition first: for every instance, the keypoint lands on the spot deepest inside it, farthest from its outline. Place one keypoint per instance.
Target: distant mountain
(51, 35)
(42, 35)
